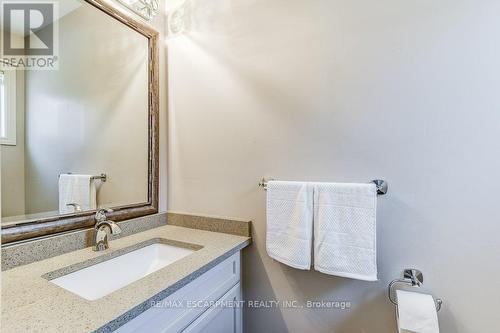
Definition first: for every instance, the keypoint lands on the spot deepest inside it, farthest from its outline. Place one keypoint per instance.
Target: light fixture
(179, 19)
(147, 9)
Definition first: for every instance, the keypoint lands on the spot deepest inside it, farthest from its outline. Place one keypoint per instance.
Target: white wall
(348, 91)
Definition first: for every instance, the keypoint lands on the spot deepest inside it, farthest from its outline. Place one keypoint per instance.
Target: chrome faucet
(102, 227)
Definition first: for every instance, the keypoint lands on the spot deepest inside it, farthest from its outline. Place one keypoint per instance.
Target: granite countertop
(31, 303)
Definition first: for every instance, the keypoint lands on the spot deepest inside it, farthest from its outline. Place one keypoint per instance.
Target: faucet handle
(100, 215)
(115, 228)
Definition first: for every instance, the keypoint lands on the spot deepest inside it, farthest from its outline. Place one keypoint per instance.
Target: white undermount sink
(101, 279)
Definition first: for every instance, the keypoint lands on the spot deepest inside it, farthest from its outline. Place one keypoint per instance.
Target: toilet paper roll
(416, 313)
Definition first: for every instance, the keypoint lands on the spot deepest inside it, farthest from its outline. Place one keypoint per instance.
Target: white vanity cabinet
(209, 303)
(220, 318)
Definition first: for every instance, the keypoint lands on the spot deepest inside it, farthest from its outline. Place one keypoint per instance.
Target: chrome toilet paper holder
(411, 277)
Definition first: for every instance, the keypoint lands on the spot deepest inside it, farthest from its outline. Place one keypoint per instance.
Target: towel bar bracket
(382, 186)
(103, 177)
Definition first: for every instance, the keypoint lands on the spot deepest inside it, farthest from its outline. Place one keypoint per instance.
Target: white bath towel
(76, 189)
(289, 223)
(345, 230)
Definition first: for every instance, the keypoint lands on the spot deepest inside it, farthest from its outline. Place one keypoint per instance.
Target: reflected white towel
(76, 189)
(289, 223)
(345, 230)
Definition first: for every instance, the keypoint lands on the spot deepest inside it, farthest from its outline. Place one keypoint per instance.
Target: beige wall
(348, 90)
(12, 160)
(90, 116)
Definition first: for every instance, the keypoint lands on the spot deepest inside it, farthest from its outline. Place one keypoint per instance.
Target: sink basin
(101, 279)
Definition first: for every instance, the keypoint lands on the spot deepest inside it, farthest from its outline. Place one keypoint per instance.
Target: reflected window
(8, 107)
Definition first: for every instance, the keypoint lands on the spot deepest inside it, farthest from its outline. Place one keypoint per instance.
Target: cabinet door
(169, 318)
(224, 317)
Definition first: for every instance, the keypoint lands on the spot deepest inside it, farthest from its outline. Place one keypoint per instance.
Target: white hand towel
(416, 313)
(76, 189)
(345, 230)
(289, 223)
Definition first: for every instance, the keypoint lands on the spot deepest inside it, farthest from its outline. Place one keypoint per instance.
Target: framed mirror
(83, 134)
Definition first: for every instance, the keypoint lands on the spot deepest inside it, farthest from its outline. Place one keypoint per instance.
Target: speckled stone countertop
(31, 303)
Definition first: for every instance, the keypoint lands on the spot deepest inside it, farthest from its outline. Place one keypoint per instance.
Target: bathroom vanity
(86, 172)
(210, 303)
(194, 287)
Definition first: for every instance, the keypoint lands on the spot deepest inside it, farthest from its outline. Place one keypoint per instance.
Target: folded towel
(289, 223)
(78, 190)
(345, 230)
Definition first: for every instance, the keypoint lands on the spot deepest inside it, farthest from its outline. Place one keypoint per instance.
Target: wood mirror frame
(24, 230)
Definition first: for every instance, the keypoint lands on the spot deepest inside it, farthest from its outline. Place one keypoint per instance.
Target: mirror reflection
(76, 138)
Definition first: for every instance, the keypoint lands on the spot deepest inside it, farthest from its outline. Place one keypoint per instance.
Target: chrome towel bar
(382, 185)
(102, 177)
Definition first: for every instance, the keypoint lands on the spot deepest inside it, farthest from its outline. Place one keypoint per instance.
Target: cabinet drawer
(224, 318)
(181, 308)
